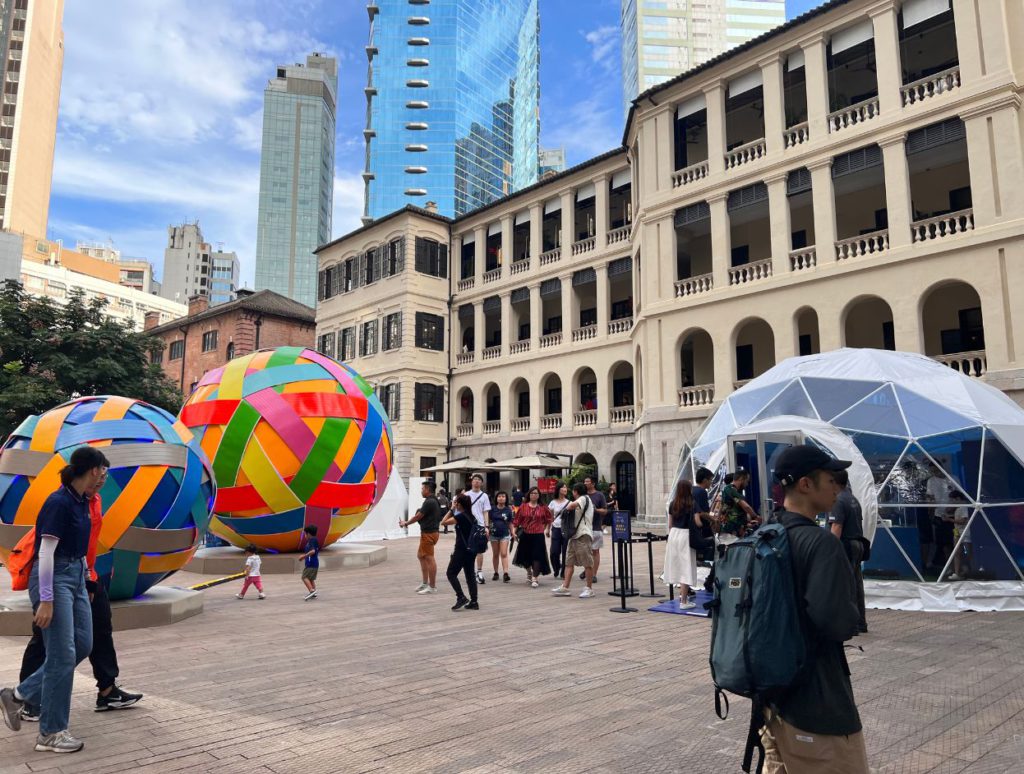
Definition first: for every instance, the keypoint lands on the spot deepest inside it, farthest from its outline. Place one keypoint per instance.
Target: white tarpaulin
(382, 522)
(982, 597)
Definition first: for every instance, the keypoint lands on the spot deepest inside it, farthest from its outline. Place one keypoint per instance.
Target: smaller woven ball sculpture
(296, 439)
(156, 500)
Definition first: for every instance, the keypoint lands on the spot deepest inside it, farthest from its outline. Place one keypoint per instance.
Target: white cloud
(604, 47)
(348, 204)
(586, 128)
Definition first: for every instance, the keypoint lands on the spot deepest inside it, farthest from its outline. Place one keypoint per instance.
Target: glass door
(757, 453)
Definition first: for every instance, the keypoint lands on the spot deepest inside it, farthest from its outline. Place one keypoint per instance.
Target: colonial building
(851, 178)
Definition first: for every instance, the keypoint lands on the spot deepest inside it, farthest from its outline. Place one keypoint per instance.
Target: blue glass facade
(452, 103)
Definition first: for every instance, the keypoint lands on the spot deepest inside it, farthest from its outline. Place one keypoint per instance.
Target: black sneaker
(460, 603)
(29, 714)
(494, 577)
(473, 606)
(116, 699)
(480, 578)
(506, 579)
(583, 575)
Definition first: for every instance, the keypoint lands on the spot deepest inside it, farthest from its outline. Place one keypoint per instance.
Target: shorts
(309, 573)
(598, 538)
(500, 538)
(427, 542)
(580, 552)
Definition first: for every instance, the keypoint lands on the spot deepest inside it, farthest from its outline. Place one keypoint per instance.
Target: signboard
(546, 485)
(620, 525)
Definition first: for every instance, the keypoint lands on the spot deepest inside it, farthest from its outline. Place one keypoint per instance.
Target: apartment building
(849, 179)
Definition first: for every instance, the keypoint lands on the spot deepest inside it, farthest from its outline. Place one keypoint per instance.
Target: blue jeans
(68, 640)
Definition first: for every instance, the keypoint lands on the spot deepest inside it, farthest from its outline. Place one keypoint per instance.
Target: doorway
(757, 453)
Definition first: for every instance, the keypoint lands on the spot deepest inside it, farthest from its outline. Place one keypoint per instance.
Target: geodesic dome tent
(944, 452)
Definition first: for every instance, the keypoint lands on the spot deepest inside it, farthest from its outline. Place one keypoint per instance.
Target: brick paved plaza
(371, 677)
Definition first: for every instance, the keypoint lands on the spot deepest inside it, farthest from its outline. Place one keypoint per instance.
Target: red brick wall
(237, 327)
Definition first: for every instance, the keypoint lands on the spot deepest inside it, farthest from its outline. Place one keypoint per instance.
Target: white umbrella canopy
(531, 462)
(456, 465)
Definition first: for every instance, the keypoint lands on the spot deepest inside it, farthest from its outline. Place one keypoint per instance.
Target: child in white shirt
(252, 573)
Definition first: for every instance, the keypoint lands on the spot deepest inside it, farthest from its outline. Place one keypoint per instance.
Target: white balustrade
(492, 428)
(796, 135)
(622, 415)
(464, 357)
(690, 174)
(493, 275)
(551, 340)
(466, 284)
(620, 234)
(804, 258)
(968, 363)
(691, 286)
(744, 154)
(521, 425)
(551, 256)
(942, 226)
(517, 347)
(551, 422)
(585, 418)
(583, 246)
(853, 115)
(864, 244)
(464, 430)
(698, 395)
(741, 383)
(620, 326)
(750, 272)
(491, 353)
(520, 266)
(932, 86)
(584, 333)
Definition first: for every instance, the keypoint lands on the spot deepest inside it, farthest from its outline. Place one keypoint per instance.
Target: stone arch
(867, 322)
(807, 331)
(465, 406)
(491, 402)
(753, 348)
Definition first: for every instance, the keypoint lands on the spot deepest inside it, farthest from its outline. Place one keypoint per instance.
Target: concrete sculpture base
(227, 560)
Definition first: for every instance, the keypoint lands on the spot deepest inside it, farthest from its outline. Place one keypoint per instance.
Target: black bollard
(620, 545)
(650, 567)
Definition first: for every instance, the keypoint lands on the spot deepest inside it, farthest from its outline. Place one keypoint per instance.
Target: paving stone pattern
(371, 677)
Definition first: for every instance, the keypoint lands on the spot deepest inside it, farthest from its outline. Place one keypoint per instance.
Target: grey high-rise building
(186, 264)
(296, 176)
(224, 271)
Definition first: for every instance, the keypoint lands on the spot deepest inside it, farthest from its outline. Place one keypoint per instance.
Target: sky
(161, 109)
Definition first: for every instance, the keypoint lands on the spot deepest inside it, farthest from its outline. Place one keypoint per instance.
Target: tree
(50, 353)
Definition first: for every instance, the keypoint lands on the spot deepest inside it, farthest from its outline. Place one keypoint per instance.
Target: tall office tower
(296, 176)
(32, 42)
(452, 103)
(186, 264)
(662, 39)
(224, 270)
(552, 161)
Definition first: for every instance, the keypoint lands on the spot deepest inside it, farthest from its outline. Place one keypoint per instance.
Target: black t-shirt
(430, 515)
(847, 513)
(597, 498)
(465, 523)
(65, 516)
(679, 520)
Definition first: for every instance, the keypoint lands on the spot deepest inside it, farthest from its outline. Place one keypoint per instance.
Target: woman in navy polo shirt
(59, 597)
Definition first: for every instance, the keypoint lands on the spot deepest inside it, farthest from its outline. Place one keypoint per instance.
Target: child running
(252, 572)
(312, 557)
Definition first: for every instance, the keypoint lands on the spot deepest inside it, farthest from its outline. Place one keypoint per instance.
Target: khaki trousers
(788, 750)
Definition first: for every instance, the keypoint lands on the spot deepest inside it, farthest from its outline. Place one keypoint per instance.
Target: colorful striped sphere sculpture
(296, 439)
(156, 500)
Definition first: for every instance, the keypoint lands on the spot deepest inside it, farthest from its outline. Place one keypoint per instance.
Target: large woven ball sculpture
(296, 439)
(158, 494)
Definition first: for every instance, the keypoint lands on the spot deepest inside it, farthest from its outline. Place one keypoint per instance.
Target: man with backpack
(792, 588)
(577, 528)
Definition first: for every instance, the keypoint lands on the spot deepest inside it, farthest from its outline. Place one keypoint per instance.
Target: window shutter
(856, 160)
(492, 304)
(692, 214)
(798, 181)
(400, 257)
(745, 197)
(422, 262)
(321, 278)
(378, 262)
(398, 330)
(551, 287)
(442, 261)
(584, 277)
(929, 137)
(439, 334)
(519, 295)
(620, 266)
(357, 279)
(418, 402)
(466, 312)
(336, 280)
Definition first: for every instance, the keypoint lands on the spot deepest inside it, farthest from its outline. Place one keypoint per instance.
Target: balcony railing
(620, 234)
(740, 383)
(466, 284)
(493, 275)
(585, 418)
(750, 272)
(523, 264)
(551, 340)
(464, 430)
(491, 353)
(517, 347)
(551, 422)
(744, 154)
(932, 86)
(875, 242)
(585, 333)
(968, 363)
(690, 174)
(622, 415)
(796, 135)
(698, 395)
(521, 425)
(583, 246)
(492, 428)
(804, 258)
(551, 256)
(464, 357)
(852, 115)
(620, 326)
(942, 226)
(691, 286)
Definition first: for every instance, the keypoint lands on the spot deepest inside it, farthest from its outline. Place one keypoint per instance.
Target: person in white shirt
(252, 573)
(482, 513)
(577, 525)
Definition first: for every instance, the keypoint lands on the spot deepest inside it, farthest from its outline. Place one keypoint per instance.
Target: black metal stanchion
(650, 567)
(620, 545)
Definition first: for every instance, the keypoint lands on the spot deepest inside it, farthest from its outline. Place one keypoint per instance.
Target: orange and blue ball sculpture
(296, 439)
(156, 501)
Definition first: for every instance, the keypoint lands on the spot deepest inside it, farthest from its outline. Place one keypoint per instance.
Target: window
(209, 341)
(392, 331)
(177, 349)
(389, 396)
(325, 344)
(230, 350)
(431, 257)
(429, 331)
(347, 345)
(368, 339)
(349, 276)
(429, 403)
(371, 266)
(425, 464)
(156, 357)
(394, 257)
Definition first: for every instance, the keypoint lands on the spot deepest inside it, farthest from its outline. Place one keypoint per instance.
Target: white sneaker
(421, 587)
(687, 605)
(427, 590)
(953, 577)
(534, 584)
(586, 593)
(262, 596)
(239, 596)
(561, 591)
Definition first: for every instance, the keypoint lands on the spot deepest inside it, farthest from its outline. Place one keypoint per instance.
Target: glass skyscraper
(452, 103)
(296, 176)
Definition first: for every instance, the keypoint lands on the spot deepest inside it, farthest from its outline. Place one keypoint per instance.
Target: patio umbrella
(457, 465)
(532, 462)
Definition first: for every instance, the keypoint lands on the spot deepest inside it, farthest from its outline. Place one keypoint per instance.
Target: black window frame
(176, 350)
(431, 257)
(429, 403)
(389, 394)
(427, 338)
(347, 344)
(209, 342)
(368, 332)
(391, 336)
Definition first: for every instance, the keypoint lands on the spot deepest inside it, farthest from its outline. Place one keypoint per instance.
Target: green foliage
(50, 353)
(580, 471)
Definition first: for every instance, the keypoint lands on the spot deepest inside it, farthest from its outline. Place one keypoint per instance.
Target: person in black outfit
(846, 522)
(816, 726)
(463, 560)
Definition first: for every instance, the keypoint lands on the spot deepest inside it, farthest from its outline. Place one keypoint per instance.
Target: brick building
(208, 336)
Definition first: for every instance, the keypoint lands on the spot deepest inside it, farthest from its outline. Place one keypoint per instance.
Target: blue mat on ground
(672, 606)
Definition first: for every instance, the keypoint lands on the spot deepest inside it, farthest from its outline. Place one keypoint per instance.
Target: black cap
(798, 461)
